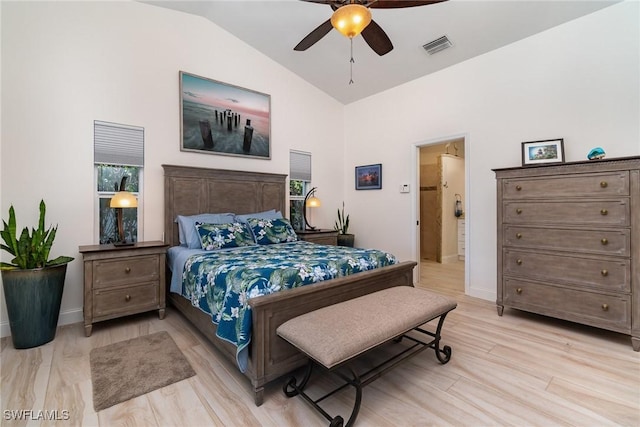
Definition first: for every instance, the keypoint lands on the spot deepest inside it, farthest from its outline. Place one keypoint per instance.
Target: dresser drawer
(578, 185)
(605, 274)
(608, 311)
(120, 301)
(616, 242)
(564, 212)
(115, 272)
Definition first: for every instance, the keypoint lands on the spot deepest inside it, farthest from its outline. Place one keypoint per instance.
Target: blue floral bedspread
(221, 283)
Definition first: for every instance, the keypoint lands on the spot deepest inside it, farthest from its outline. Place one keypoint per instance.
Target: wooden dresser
(123, 280)
(569, 242)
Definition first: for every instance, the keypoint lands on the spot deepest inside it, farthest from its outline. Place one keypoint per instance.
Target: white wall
(65, 64)
(578, 81)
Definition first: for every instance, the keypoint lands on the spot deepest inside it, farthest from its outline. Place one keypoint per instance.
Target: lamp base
(123, 243)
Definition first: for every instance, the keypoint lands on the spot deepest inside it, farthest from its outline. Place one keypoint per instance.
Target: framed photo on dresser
(543, 152)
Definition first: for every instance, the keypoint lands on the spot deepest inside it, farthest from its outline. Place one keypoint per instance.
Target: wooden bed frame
(190, 191)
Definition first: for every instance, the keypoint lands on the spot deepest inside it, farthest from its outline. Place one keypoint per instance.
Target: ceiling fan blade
(377, 39)
(314, 36)
(396, 4)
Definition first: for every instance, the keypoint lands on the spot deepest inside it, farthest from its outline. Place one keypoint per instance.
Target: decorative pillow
(220, 236)
(272, 214)
(268, 231)
(187, 226)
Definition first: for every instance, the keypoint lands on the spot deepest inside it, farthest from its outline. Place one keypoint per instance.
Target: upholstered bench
(335, 335)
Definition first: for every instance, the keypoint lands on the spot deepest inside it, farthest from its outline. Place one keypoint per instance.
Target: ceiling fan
(352, 17)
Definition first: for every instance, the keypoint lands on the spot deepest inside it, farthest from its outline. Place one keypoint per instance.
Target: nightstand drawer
(129, 300)
(136, 269)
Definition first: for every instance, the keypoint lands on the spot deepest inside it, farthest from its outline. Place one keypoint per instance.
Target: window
(118, 153)
(299, 182)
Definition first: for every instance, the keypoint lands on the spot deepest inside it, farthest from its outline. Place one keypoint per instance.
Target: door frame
(415, 202)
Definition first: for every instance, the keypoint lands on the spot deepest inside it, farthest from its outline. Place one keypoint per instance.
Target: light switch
(404, 188)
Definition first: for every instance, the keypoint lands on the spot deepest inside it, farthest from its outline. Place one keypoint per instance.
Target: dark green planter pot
(33, 300)
(346, 240)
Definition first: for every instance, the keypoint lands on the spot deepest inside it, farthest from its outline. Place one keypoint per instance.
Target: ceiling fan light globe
(351, 19)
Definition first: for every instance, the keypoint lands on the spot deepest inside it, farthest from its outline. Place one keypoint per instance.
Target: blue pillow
(269, 231)
(187, 227)
(221, 236)
(272, 214)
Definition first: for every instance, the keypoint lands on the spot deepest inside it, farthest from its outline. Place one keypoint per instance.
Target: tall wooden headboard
(192, 190)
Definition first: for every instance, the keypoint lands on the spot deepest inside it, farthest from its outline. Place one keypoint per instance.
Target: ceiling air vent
(437, 45)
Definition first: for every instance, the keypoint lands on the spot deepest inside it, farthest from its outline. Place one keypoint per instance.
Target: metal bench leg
(443, 355)
(291, 389)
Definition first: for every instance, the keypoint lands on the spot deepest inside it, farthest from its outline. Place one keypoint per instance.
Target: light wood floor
(515, 370)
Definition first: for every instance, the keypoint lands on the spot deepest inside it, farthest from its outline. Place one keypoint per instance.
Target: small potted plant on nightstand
(342, 227)
(32, 283)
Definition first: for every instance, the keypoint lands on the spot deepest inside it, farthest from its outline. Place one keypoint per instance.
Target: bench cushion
(337, 333)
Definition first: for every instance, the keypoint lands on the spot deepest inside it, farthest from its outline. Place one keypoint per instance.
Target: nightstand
(321, 237)
(123, 280)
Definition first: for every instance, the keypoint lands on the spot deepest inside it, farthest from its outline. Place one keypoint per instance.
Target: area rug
(127, 369)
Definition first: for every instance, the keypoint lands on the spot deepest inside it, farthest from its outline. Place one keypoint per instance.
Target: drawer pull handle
(603, 184)
(519, 291)
(518, 235)
(127, 270)
(519, 261)
(127, 298)
(604, 272)
(605, 307)
(604, 241)
(603, 211)
(518, 211)
(518, 187)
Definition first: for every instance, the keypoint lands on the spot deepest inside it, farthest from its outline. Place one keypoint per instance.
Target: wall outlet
(404, 188)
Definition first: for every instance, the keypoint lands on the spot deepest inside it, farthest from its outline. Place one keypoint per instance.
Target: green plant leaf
(30, 250)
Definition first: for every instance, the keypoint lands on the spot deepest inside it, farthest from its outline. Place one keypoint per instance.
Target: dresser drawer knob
(605, 307)
(518, 211)
(603, 212)
(519, 261)
(127, 270)
(519, 291)
(604, 241)
(518, 235)
(518, 187)
(604, 272)
(127, 298)
(603, 184)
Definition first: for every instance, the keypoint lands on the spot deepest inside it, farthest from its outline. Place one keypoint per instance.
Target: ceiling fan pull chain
(351, 61)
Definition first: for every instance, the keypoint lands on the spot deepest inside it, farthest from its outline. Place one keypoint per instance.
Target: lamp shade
(123, 199)
(351, 19)
(313, 202)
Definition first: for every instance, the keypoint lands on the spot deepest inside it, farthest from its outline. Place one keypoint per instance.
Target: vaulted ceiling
(474, 27)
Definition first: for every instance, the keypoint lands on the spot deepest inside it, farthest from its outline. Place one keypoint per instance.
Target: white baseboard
(449, 259)
(65, 318)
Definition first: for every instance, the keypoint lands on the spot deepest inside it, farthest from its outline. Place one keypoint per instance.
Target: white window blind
(300, 165)
(117, 144)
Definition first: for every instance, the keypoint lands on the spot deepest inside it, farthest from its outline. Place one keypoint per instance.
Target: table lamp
(310, 201)
(121, 200)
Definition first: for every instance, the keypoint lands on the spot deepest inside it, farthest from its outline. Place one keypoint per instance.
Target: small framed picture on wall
(369, 177)
(543, 152)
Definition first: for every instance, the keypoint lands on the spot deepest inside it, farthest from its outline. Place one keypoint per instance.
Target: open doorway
(441, 214)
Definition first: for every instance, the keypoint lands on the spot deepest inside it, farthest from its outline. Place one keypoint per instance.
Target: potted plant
(342, 227)
(32, 283)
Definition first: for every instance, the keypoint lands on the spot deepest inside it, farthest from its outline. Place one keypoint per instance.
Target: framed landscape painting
(219, 118)
(369, 177)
